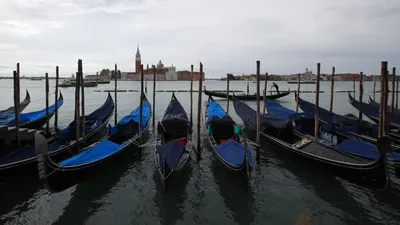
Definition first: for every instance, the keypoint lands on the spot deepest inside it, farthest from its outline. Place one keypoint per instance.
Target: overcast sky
(228, 36)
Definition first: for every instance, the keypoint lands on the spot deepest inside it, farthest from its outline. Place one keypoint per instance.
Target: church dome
(160, 64)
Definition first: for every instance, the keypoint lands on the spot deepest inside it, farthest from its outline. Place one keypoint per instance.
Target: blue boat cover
(9, 119)
(135, 115)
(172, 151)
(96, 152)
(278, 110)
(214, 109)
(342, 123)
(232, 152)
(175, 111)
(364, 149)
(64, 136)
(248, 116)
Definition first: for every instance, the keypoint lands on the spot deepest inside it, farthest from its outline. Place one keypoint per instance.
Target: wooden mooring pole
(227, 93)
(361, 95)
(332, 89)
(154, 96)
(56, 100)
(77, 110)
(145, 87)
(316, 128)
(265, 93)
(258, 108)
(191, 95)
(16, 106)
(354, 87)
(382, 109)
(47, 105)
(298, 92)
(397, 92)
(141, 106)
(82, 82)
(115, 95)
(374, 89)
(199, 110)
(248, 88)
(393, 86)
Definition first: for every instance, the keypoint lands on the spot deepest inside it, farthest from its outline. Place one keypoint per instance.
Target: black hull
(61, 178)
(245, 97)
(22, 105)
(29, 167)
(373, 174)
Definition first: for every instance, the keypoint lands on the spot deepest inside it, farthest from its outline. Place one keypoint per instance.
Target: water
(282, 189)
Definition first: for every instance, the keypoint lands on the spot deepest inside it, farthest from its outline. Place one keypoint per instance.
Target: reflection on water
(281, 189)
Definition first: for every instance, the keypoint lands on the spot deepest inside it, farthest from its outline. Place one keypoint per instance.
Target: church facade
(162, 72)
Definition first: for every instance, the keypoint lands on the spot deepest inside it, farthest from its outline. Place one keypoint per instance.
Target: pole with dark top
(115, 95)
(361, 95)
(227, 93)
(141, 105)
(77, 110)
(16, 106)
(80, 73)
(47, 105)
(298, 92)
(382, 109)
(374, 89)
(154, 96)
(316, 127)
(393, 87)
(258, 108)
(332, 88)
(199, 110)
(397, 92)
(56, 100)
(191, 95)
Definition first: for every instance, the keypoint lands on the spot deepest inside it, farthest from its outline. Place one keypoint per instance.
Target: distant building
(162, 72)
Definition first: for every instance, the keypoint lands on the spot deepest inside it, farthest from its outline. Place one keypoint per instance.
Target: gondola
(295, 134)
(22, 105)
(22, 161)
(337, 134)
(31, 120)
(124, 136)
(377, 105)
(226, 139)
(174, 141)
(347, 125)
(245, 97)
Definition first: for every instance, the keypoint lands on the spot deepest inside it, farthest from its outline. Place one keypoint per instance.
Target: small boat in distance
(71, 82)
(305, 78)
(103, 81)
(36, 78)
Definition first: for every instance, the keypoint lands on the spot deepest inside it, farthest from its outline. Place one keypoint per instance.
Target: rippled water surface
(282, 189)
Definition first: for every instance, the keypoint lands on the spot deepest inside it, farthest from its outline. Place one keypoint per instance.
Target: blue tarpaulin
(135, 115)
(98, 151)
(214, 109)
(172, 151)
(364, 149)
(279, 111)
(233, 153)
(9, 119)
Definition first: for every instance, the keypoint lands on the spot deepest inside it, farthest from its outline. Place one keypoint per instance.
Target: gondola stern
(41, 149)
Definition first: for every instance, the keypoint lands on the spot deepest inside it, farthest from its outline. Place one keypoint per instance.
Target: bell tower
(138, 61)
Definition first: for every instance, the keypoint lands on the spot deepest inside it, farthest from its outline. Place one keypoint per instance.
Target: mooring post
(374, 87)
(47, 105)
(154, 96)
(393, 87)
(191, 96)
(77, 110)
(354, 87)
(19, 88)
(384, 146)
(316, 128)
(16, 106)
(82, 83)
(258, 108)
(382, 109)
(141, 105)
(298, 92)
(199, 110)
(115, 95)
(227, 93)
(332, 88)
(56, 100)
(145, 87)
(397, 92)
(361, 95)
(265, 93)
(248, 88)
(386, 93)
